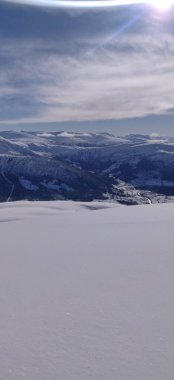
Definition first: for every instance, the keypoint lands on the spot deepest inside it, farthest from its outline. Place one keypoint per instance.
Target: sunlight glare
(162, 5)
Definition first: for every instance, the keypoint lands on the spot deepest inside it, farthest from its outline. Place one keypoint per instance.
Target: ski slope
(86, 291)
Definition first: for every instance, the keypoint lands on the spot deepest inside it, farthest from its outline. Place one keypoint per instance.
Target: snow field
(86, 291)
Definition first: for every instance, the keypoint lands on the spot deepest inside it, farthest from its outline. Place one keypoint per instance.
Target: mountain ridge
(133, 169)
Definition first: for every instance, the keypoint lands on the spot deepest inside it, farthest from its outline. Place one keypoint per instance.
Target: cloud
(94, 74)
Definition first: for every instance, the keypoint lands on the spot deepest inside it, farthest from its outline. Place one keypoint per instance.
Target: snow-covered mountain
(86, 166)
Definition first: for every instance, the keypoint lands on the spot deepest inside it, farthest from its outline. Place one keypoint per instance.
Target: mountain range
(134, 169)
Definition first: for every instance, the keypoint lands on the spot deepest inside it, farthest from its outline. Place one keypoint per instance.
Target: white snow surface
(27, 184)
(53, 186)
(86, 291)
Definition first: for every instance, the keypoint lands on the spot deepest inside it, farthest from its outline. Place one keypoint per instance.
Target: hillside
(86, 291)
(134, 169)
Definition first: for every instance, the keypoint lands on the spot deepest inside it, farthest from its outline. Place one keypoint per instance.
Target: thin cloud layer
(63, 67)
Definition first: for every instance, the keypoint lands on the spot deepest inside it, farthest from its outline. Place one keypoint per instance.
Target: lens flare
(159, 4)
(78, 3)
(162, 5)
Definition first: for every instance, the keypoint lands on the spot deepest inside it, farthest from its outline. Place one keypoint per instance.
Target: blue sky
(104, 69)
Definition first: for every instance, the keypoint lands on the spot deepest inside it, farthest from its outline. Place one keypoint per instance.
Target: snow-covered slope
(133, 169)
(86, 291)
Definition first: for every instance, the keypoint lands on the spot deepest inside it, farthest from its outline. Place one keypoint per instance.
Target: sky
(108, 69)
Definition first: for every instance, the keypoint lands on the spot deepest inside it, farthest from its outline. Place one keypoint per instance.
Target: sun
(162, 5)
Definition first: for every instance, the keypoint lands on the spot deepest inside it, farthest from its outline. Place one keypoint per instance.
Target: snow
(53, 186)
(50, 185)
(86, 291)
(66, 187)
(45, 134)
(27, 184)
(66, 134)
